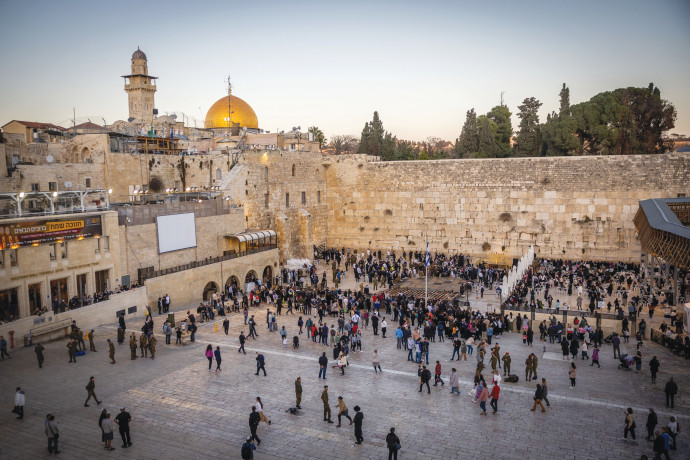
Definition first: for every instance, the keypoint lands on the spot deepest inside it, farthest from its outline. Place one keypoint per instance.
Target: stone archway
(85, 152)
(250, 280)
(267, 278)
(234, 282)
(210, 288)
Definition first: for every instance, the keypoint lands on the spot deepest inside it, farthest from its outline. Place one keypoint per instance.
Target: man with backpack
(260, 361)
(424, 377)
(393, 444)
(248, 448)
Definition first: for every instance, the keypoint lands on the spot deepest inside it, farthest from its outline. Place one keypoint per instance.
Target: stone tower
(140, 88)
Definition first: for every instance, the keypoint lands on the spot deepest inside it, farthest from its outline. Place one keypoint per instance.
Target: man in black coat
(424, 377)
(651, 424)
(671, 389)
(254, 419)
(359, 416)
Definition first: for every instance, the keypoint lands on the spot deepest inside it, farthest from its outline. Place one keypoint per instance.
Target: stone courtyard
(180, 408)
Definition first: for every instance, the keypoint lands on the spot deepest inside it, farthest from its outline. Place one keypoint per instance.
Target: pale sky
(422, 65)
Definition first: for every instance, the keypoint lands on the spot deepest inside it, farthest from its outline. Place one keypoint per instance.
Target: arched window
(219, 174)
(293, 170)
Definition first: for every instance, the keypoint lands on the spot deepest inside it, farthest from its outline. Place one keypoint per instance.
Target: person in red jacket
(494, 398)
(437, 374)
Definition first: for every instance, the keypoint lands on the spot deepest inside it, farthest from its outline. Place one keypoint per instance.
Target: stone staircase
(227, 186)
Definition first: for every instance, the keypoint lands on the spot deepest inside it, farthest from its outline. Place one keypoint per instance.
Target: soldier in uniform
(326, 407)
(506, 363)
(529, 370)
(535, 362)
(152, 346)
(72, 349)
(133, 346)
(92, 347)
(90, 389)
(111, 352)
(80, 338)
(298, 392)
(39, 354)
(143, 345)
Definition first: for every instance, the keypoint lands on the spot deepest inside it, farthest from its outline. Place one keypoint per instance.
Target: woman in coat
(342, 362)
(572, 373)
(376, 362)
(260, 409)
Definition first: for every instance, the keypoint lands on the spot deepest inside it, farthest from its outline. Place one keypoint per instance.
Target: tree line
(625, 121)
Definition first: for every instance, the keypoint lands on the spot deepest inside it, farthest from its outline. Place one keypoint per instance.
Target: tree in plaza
(528, 142)
(500, 116)
(468, 142)
(318, 135)
(487, 137)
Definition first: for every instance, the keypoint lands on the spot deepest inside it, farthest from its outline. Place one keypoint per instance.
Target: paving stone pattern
(179, 408)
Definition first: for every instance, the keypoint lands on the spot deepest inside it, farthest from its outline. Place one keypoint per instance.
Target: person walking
(260, 363)
(424, 377)
(495, 392)
(359, 416)
(323, 365)
(629, 424)
(122, 420)
(572, 373)
(226, 325)
(454, 382)
(538, 396)
(393, 444)
(209, 356)
(595, 356)
(254, 419)
(53, 433)
(652, 421)
(104, 412)
(3, 349)
(247, 449)
(19, 401)
(242, 340)
(673, 429)
(326, 406)
(376, 362)
(216, 355)
(670, 389)
(90, 387)
(654, 365)
(111, 351)
(384, 326)
(546, 392)
(38, 349)
(298, 392)
(483, 397)
(342, 411)
(108, 429)
(342, 362)
(260, 409)
(437, 374)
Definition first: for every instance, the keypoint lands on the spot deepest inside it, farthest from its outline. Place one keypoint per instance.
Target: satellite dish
(130, 119)
(173, 116)
(15, 160)
(49, 158)
(68, 184)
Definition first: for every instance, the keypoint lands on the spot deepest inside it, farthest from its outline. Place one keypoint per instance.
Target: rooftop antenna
(502, 93)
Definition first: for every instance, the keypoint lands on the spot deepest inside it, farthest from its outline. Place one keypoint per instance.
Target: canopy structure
(663, 227)
(249, 241)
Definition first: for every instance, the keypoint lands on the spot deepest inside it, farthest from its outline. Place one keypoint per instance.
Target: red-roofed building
(31, 131)
(88, 128)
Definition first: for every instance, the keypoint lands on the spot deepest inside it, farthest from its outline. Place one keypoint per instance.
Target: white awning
(251, 236)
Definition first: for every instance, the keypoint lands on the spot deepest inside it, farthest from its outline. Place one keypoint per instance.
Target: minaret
(140, 88)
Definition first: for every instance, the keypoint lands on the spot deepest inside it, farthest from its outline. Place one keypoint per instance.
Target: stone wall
(186, 288)
(570, 207)
(140, 243)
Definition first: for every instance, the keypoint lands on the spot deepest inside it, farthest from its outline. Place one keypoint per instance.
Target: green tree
(487, 137)
(565, 101)
(371, 141)
(468, 142)
(318, 135)
(528, 142)
(500, 116)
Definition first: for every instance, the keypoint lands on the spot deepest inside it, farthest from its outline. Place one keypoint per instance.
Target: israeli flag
(428, 257)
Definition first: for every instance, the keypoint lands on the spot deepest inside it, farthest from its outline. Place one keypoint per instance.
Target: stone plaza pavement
(179, 408)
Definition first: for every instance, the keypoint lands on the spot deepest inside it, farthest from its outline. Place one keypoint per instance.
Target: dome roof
(138, 54)
(242, 114)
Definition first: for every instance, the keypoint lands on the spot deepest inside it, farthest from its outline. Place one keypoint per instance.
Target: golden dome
(242, 114)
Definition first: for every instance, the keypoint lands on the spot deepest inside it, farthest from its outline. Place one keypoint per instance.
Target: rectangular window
(63, 249)
(88, 182)
(98, 245)
(304, 197)
(106, 243)
(318, 196)
(35, 188)
(287, 200)
(14, 261)
(266, 200)
(53, 251)
(52, 186)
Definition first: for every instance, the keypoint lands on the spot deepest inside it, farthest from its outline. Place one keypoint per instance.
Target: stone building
(140, 88)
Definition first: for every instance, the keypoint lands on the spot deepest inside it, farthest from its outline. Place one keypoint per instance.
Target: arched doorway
(219, 175)
(234, 282)
(250, 280)
(267, 277)
(209, 290)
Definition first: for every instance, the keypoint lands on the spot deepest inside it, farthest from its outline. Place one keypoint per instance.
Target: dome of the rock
(242, 114)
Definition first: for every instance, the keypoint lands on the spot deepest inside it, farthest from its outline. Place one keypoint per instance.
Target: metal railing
(208, 261)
